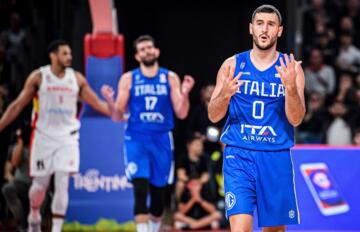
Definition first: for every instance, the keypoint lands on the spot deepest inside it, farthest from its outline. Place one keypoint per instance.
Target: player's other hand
(108, 93)
(231, 84)
(287, 71)
(187, 84)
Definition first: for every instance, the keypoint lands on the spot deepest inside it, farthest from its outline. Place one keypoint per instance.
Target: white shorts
(49, 155)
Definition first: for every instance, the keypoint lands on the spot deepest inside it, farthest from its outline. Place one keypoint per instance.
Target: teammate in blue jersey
(263, 92)
(151, 95)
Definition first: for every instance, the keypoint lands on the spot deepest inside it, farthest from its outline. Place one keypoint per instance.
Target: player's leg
(157, 196)
(239, 186)
(275, 189)
(138, 172)
(206, 221)
(141, 211)
(161, 174)
(60, 200)
(37, 194)
(41, 169)
(66, 160)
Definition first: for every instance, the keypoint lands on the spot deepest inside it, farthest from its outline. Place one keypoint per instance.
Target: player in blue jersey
(263, 92)
(151, 94)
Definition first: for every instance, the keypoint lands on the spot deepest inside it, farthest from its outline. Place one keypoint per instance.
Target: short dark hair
(193, 137)
(54, 45)
(143, 38)
(267, 9)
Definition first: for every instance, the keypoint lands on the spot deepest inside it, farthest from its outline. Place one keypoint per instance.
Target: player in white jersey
(55, 89)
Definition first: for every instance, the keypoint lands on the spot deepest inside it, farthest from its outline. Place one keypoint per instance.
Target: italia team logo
(230, 200)
(132, 168)
(162, 78)
(242, 65)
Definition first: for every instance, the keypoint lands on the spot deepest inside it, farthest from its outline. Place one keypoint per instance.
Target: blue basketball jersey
(150, 105)
(256, 118)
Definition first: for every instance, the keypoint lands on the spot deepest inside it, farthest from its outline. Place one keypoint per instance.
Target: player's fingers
(240, 83)
(239, 74)
(235, 79)
(292, 58)
(237, 86)
(279, 70)
(282, 65)
(225, 71)
(232, 71)
(188, 78)
(287, 60)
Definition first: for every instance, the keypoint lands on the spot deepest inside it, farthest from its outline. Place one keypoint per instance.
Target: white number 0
(150, 103)
(255, 113)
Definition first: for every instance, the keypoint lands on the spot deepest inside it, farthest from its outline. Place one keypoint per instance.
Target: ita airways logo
(257, 133)
(230, 200)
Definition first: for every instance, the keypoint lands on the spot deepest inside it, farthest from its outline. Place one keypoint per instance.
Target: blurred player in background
(264, 106)
(151, 94)
(55, 138)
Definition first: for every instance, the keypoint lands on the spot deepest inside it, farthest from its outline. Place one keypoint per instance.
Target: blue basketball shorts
(263, 180)
(149, 156)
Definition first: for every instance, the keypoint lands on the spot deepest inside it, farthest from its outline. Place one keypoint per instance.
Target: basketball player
(54, 146)
(151, 94)
(264, 107)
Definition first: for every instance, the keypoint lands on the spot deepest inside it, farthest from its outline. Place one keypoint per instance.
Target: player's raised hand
(287, 71)
(230, 83)
(108, 93)
(187, 84)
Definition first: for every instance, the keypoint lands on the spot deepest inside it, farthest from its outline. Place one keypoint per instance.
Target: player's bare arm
(180, 94)
(89, 96)
(226, 87)
(292, 77)
(119, 107)
(28, 92)
(124, 87)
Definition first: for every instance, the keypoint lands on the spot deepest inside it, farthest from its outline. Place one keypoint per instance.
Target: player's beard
(266, 47)
(149, 63)
(64, 65)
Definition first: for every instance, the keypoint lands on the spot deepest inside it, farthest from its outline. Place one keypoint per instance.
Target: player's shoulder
(172, 74)
(230, 61)
(127, 75)
(242, 56)
(77, 73)
(126, 79)
(35, 76)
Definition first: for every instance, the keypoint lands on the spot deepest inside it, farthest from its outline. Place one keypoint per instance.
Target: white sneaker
(180, 225)
(34, 224)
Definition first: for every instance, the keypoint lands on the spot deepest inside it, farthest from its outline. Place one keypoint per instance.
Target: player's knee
(216, 215)
(36, 194)
(60, 201)
(141, 187)
(157, 200)
(177, 216)
(241, 223)
(61, 195)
